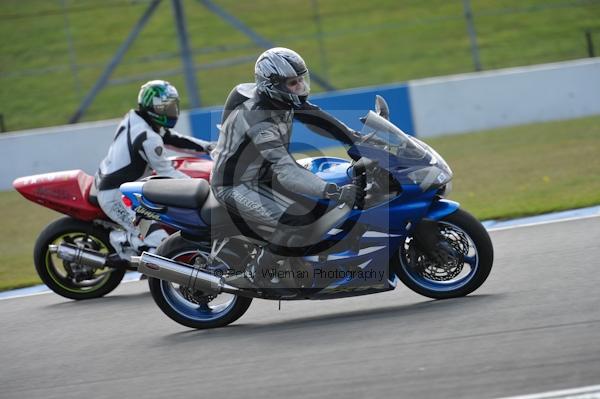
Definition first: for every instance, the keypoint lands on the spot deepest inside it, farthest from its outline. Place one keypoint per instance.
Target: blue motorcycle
(404, 230)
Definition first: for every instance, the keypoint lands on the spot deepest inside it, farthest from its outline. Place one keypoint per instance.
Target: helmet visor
(172, 108)
(168, 107)
(298, 85)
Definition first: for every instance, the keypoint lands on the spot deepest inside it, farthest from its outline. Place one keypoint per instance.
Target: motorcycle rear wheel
(191, 309)
(70, 279)
(458, 276)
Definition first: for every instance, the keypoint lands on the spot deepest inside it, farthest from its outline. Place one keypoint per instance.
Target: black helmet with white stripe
(282, 75)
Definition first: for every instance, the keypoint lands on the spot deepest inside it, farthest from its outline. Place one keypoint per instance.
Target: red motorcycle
(84, 233)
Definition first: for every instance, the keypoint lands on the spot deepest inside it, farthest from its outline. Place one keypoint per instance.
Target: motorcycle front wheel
(187, 307)
(70, 279)
(462, 267)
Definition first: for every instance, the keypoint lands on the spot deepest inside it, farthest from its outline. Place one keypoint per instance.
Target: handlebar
(360, 174)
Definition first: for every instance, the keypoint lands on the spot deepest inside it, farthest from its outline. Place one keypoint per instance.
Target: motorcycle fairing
(66, 192)
(354, 252)
(340, 269)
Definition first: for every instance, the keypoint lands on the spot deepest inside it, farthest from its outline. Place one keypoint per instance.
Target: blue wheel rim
(198, 312)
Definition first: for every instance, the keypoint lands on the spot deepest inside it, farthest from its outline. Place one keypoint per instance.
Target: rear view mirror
(381, 107)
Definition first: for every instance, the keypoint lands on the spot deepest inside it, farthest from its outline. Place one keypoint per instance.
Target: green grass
(502, 173)
(364, 43)
(526, 170)
(22, 222)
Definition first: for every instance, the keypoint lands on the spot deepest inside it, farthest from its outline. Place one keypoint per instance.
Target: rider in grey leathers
(254, 174)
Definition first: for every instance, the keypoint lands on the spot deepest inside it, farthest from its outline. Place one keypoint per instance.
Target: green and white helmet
(160, 100)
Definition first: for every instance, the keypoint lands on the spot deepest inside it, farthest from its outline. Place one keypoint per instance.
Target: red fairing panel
(66, 192)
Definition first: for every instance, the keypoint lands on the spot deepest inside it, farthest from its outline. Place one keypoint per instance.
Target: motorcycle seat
(182, 193)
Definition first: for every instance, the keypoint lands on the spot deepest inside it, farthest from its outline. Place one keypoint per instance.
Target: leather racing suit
(254, 174)
(136, 150)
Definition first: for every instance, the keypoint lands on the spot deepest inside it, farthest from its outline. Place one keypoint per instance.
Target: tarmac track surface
(534, 326)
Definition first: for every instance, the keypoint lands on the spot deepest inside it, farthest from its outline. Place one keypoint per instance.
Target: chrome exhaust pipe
(183, 274)
(73, 253)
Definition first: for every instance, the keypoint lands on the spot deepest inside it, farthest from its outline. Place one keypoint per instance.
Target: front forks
(429, 240)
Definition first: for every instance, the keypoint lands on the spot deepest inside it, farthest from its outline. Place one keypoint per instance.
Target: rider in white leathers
(137, 150)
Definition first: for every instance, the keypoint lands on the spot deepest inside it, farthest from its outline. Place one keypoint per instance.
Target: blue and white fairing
(183, 219)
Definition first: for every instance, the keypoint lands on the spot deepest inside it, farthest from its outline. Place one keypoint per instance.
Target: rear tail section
(66, 192)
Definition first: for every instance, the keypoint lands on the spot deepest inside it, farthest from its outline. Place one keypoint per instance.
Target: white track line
(567, 219)
(590, 392)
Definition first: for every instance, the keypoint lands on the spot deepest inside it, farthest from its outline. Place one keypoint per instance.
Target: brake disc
(451, 264)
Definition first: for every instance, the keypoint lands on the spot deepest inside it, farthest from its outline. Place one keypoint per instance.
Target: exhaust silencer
(183, 274)
(73, 253)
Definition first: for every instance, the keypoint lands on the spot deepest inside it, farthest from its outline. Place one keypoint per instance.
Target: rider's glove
(211, 145)
(349, 194)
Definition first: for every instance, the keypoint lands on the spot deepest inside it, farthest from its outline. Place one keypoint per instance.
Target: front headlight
(430, 176)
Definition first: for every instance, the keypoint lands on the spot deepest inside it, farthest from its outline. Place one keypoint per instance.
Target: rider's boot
(120, 242)
(262, 271)
(154, 236)
(259, 273)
